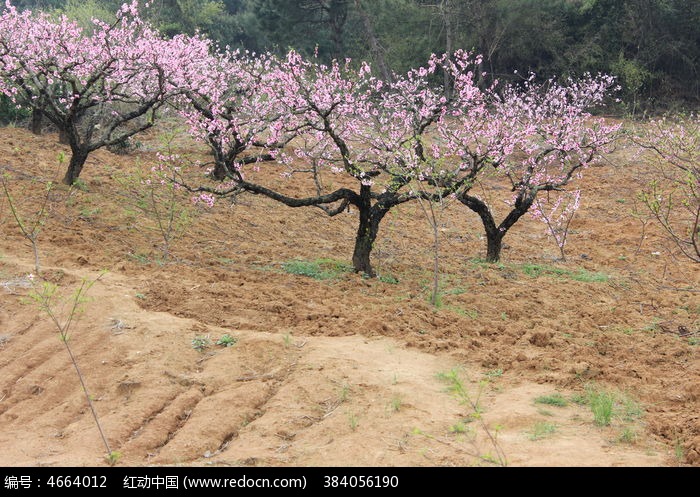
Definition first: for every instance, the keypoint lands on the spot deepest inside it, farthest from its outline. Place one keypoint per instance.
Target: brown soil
(343, 371)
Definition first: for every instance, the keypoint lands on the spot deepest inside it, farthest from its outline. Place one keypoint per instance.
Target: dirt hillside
(317, 366)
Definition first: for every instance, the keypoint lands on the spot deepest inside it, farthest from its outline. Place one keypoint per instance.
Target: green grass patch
(601, 403)
(467, 313)
(396, 403)
(589, 277)
(542, 429)
(627, 436)
(461, 427)
(320, 269)
(227, 341)
(606, 405)
(493, 374)
(201, 343)
(388, 278)
(455, 291)
(629, 409)
(652, 327)
(87, 213)
(534, 270)
(140, 258)
(537, 270)
(484, 263)
(555, 399)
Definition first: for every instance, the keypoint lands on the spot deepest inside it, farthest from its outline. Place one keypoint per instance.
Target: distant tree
(405, 31)
(9, 113)
(652, 45)
(173, 17)
(39, 4)
(376, 48)
(308, 26)
(84, 11)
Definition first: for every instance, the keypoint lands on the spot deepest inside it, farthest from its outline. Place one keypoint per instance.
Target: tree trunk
(363, 247)
(75, 166)
(365, 236)
(225, 156)
(37, 120)
(376, 48)
(447, 12)
(370, 217)
(63, 137)
(495, 234)
(494, 244)
(220, 172)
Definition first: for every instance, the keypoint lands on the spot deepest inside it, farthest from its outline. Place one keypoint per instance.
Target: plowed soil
(337, 369)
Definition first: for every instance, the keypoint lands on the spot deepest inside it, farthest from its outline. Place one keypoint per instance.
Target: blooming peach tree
(349, 128)
(228, 106)
(549, 138)
(98, 87)
(391, 143)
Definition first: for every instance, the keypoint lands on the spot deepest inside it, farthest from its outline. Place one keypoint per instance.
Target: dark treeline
(652, 46)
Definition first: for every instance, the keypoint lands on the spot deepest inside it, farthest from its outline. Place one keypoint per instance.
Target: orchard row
(393, 140)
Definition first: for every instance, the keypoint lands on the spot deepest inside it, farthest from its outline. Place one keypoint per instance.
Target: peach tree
(549, 138)
(388, 143)
(98, 87)
(673, 197)
(349, 128)
(226, 103)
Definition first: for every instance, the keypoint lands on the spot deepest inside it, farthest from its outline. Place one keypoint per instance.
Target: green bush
(10, 114)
